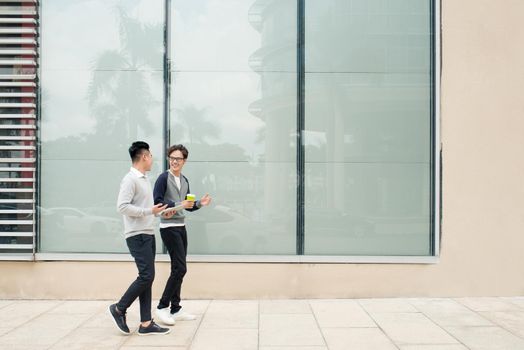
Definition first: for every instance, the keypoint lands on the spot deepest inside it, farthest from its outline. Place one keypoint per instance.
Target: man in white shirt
(135, 203)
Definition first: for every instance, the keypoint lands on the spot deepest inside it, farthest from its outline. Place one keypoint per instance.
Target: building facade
(337, 139)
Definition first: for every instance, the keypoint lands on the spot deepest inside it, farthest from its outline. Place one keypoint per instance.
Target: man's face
(176, 161)
(147, 158)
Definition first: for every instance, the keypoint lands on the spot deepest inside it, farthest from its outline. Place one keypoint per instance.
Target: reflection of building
(275, 62)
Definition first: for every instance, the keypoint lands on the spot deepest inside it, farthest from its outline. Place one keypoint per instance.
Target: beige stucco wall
(482, 114)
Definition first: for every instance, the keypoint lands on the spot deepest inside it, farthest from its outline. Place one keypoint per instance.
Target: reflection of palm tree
(121, 98)
(194, 124)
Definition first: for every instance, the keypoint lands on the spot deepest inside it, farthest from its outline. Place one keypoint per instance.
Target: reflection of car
(222, 230)
(75, 220)
(333, 222)
(75, 230)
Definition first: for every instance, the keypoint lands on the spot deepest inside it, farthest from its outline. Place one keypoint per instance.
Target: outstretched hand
(205, 200)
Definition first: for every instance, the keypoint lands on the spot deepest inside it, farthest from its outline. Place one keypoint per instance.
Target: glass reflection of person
(135, 203)
(171, 188)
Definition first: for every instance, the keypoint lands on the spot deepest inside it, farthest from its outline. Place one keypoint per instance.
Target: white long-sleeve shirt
(135, 201)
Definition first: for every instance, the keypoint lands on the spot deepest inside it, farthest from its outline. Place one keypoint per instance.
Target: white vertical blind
(18, 115)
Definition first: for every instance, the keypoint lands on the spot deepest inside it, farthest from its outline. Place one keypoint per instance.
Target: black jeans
(175, 239)
(142, 247)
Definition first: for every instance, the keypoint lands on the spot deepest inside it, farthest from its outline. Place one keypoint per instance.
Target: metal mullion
(300, 126)
(167, 87)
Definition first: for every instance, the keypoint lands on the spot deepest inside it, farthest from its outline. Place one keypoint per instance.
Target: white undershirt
(177, 181)
(164, 225)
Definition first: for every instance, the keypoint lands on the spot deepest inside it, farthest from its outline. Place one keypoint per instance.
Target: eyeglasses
(175, 159)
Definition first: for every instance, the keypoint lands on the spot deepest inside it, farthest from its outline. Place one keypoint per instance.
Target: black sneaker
(120, 319)
(153, 328)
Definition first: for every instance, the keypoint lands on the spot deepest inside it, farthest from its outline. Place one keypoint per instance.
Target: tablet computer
(169, 210)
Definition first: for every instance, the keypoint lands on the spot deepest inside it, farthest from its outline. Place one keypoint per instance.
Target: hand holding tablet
(170, 211)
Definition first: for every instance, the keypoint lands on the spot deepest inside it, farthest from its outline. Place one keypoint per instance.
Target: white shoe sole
(169, 323)
(144, 334)
(114, 321)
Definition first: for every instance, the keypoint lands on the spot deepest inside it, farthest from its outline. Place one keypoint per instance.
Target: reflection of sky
(69, 57)
(212, 43)
(212, 35)
(226, 97)
(74, 33)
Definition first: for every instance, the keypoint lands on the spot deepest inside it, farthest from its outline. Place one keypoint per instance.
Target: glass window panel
(368, 127)
(90, 115)
(238, 119)
(367, 209)
(253, 210)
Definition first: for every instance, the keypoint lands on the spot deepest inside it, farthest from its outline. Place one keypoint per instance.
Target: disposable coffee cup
(190, 197)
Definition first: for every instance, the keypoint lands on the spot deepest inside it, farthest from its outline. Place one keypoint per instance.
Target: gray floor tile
(292, 348)
(231, 314)
(434, 347)
(438, 305)
(4, 303)
(519, 301)
(225, 339)
(487, 338)
(357, 339)
(91, 338)
(153, 348)
(20, 312)
(284, 307)
(290, 330)
(4, 330)
(340, 313)
(488, 304)
(79, 307)
(412, 328)
(182, 333)
(386, 305)
(195, 307)
(471, 319)
(423, 324)
(509, 320)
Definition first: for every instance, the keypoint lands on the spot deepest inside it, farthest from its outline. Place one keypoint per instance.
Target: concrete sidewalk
(374, 324)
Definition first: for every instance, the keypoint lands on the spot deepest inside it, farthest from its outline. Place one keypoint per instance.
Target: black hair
(136, 150)
(181, 148)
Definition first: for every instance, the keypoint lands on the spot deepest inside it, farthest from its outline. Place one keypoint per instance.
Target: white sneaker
(183, 316)
(164, 316)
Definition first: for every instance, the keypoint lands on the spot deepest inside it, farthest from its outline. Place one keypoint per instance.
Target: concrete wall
(482, 249)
